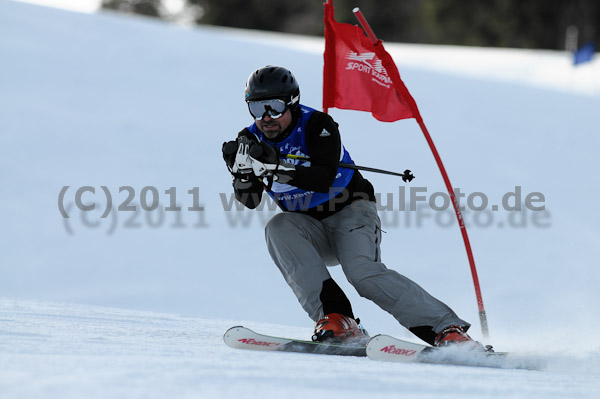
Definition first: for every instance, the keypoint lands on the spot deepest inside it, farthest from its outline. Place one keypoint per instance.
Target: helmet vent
(284, 79)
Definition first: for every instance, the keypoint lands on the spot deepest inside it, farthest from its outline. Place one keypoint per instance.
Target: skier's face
(272, 128)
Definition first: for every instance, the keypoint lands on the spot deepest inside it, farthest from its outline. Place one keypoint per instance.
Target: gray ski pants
(302, 247)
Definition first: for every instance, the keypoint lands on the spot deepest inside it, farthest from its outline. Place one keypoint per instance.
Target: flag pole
(365, 25)
(463, 228)
(330, 3)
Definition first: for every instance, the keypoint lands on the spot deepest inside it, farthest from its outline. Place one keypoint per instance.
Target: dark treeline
(539, 24)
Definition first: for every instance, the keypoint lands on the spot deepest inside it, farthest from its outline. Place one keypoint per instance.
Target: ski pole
(406, 176)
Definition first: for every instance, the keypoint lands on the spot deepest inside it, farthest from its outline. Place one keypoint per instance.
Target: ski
(380, 348)
(387, 348)
(244, 338)
(390, 349)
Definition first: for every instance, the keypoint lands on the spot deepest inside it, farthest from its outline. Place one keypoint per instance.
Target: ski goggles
(275, 108)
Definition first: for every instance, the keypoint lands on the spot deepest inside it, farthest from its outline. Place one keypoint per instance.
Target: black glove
(229, 150)
(235, 154)
(266, 162)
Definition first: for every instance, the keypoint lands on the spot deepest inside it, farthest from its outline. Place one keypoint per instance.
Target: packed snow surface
(80, 351)
(134, 304)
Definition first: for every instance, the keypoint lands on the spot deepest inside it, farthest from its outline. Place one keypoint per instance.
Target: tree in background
(497, 23)
(508, 23)
(148, 8)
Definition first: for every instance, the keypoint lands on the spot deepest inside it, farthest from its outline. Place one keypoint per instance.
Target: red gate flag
(359, 74)
(362, 76)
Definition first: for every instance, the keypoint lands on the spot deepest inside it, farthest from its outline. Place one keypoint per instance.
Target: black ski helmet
(273, 82)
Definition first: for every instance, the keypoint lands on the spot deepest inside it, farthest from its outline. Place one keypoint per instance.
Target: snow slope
(76, 351)
(103, 100)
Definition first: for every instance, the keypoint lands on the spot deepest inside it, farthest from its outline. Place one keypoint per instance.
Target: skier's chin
(271, 133)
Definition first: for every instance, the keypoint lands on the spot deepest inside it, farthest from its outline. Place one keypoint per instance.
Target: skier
(329, 216)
